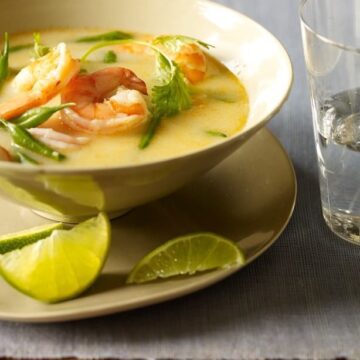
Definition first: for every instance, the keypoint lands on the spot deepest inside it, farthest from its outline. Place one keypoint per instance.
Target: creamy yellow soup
(220, 105)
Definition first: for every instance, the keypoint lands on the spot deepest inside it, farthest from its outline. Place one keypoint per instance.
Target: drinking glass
(331, 40)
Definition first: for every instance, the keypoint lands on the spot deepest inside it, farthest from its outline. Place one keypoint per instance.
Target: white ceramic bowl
(250, 51)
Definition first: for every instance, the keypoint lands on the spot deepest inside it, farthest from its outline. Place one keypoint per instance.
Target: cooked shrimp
(190, 58)
(192, 62)
(4, 155)
(133, 48)
(107, 101)
(40, 81)
(57, 140)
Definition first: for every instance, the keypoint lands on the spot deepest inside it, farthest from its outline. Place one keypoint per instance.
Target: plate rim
(219, 275)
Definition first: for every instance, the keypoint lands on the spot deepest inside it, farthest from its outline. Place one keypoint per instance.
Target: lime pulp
(187, 255)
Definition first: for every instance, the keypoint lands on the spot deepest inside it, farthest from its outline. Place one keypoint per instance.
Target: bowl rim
(58, 169)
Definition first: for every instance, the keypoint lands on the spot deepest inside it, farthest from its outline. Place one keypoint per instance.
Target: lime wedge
(62, 265)
(21, 239)
(187, 255)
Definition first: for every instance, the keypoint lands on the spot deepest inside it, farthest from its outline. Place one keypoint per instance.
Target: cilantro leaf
(40, 50)
(172, 95)
(175, 42)
(167, 99)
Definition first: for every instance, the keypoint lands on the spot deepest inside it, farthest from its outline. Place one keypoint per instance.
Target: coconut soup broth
(220, 106)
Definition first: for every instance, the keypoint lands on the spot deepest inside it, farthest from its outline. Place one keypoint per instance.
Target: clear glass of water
(331, 40)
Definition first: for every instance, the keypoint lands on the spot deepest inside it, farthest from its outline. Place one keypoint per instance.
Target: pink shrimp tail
(18, 105)
(112, 77)
(131, 81)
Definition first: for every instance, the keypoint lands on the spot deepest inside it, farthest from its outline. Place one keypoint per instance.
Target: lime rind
(187, 255)
(18, 240)
(61, 266)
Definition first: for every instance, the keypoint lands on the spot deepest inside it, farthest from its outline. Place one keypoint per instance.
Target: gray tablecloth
(300, 300)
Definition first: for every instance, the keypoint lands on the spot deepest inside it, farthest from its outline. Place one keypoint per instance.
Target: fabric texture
(301, 299)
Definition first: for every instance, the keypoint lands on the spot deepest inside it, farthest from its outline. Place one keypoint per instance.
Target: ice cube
(346, 131)
(327, 118)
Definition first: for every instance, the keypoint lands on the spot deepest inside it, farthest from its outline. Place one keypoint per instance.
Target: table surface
(299, 300)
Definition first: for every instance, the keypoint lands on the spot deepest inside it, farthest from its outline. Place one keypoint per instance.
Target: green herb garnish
(35, 117)
(110, 57)
(167, 99)
(83, 71)
(21, 155)
(109, 36)
(40, 50)
(175, 42)
(172, 95)
(26, 159)
(21, 137)
(150, 131)
(4, 60)
(20, 47)
(216, 133)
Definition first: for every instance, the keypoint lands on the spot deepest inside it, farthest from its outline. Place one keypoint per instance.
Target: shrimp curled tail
(107, 101)
(4, 155)
(41, 81)
(189, 57)
(192, 62)
(57, 140)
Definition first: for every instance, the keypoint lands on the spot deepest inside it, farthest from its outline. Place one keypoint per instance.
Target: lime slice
(62, 265)
(21, 239)
(187, 255)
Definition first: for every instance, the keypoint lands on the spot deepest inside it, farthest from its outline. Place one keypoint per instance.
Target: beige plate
(248, 198)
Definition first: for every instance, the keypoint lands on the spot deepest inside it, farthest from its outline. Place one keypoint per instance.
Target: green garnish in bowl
(108, 36)
(37, 116)
(110, 57)
(4, 60)
(216, 133)
(40, 50)
(21, 137)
